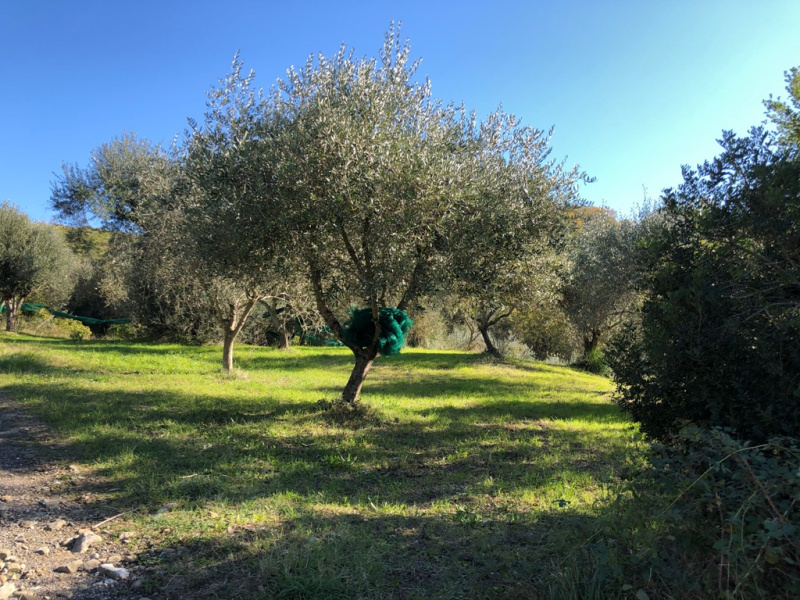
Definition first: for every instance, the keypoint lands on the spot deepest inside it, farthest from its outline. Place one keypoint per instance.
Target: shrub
(127, 332)
(594, 361)
(74, 330)
(718, 341)
(739, 506)
(709, 517)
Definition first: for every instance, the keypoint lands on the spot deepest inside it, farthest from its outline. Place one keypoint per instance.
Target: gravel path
(53, 539)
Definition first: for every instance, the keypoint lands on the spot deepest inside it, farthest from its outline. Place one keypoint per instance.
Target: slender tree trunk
(232, 325)
(364, 360)
(490, 347)
(227, 350)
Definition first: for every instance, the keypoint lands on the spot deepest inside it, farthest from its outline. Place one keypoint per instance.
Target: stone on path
(82, 543)
(70, 568)
(91, 565)
(6, 590)
(56, 525)
(113, 572)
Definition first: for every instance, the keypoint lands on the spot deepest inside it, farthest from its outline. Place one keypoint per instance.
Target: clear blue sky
(634, 89)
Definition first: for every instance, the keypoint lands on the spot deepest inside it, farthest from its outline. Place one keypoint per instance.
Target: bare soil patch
(49, 517)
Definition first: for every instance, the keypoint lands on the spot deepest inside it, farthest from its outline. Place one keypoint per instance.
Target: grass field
(471, 479)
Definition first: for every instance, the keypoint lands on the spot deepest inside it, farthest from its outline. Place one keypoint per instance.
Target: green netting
(32, 307)
(360, 329)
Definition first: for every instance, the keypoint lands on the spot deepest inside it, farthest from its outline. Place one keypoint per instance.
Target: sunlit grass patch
(470, 477)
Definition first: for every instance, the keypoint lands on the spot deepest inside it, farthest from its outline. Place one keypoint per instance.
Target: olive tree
(600, 279)
(237, 242)
(382, 185)
(34, 260)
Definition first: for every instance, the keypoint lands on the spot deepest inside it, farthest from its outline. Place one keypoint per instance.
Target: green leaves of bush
(738, 505)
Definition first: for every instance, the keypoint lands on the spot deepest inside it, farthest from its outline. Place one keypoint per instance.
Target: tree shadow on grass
(317, 555)
(473, 461)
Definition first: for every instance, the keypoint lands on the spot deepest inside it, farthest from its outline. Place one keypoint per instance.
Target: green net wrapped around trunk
(359, 329)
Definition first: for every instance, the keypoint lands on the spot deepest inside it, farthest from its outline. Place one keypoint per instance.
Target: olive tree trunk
(279, 325)
(364, 360)
(590, 341)
(491, 349)
(232, 324)
(13, 306)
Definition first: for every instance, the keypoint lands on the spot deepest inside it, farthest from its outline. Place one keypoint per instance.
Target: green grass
(472, 481)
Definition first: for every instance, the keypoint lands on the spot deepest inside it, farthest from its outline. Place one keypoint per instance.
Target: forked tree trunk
(590, 341)
(279, 326)
(364, 360)
(231, 326)
(491, 349)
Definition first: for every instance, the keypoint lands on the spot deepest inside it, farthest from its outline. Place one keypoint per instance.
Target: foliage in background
(35, 263)
(600, 276)
(785, 114)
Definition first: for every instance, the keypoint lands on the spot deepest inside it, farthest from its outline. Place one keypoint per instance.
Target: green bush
(74, 330)
(709, 517)
(719, 340)
(739, 506)
(593, 361)
(127, 332)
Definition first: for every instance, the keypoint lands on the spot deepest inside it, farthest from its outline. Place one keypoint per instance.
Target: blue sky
(634, 89)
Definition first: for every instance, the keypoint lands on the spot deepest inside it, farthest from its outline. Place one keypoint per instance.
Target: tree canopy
(383, 186)
(34, 260)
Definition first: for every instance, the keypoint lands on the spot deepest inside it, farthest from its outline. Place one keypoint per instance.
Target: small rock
(74, 468)
(69, 568)
(95, 555)
(4, 554)
(24, 596)
(91, 565)
(44, 551)
(6, 590)
(127, 536)
(114, 558)
(56, 525)
(113, 572)
(129, 558)
(82, 543)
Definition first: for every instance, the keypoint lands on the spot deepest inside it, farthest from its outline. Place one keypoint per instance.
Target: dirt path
(50, 514)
